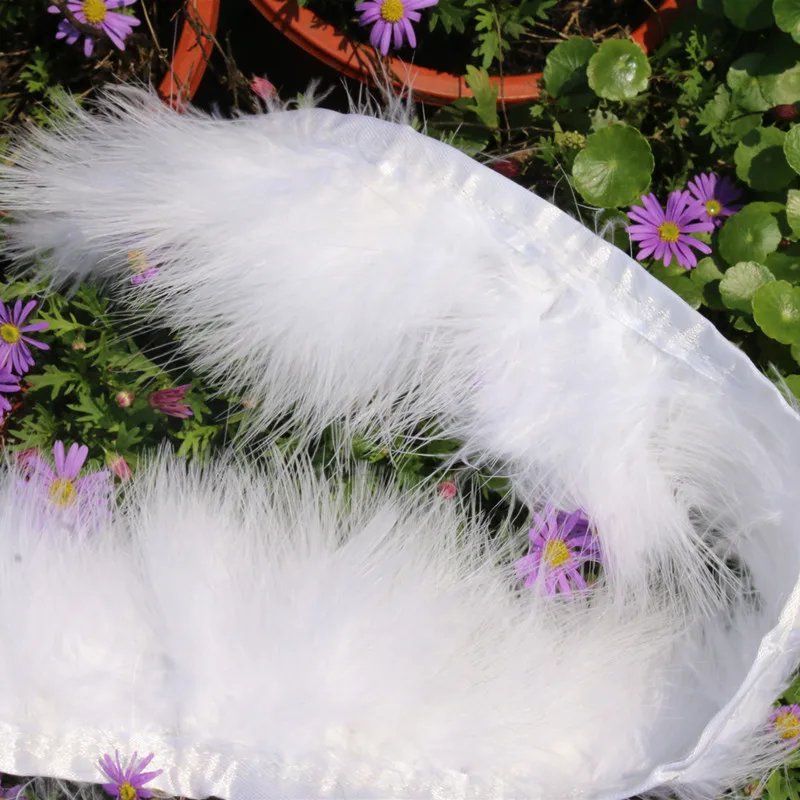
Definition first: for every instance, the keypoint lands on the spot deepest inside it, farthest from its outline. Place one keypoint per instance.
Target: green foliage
(614, 168)
(565, 70)
(619, 70)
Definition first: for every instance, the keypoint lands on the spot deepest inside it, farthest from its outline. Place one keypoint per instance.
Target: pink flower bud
(447, 490)
(125, 399)
(262, 88)
(119, 466)
(507, 167)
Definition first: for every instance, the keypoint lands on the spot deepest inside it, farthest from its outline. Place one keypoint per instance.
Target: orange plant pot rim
(192, 52)
(356, 60)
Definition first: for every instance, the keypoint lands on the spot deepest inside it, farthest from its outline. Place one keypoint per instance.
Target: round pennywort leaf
(614, 168)
(619, 70)
(750, 15)
(743, 80)
(565, 68)
(787, 17)
(760, 160)
(750, 235)
(776, 308)
(740, 283)
(791, 148)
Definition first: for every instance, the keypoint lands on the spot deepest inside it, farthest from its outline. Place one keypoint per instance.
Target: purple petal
(370, 14)
(88, 46)
(414, 5)
(409, 31)
(397, 35)
(386, 37)
(74, 461)
(376, 33)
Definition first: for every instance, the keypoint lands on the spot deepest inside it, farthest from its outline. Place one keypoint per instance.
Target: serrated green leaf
(740, 283)
(791, 148)
(776, 308)
(88, 409)
(614, 168)
(485, 96)
(750, 235)
(787, 17)
(760, 160)
(565, 67)
(750, 15)
(58, 380)
(619, 70)
(127, 439)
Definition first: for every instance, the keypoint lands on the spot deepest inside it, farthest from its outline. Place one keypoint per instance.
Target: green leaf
(685, 288)
(740, 283)
(760, 160)
(793, 212)
(776, 308)
(751, 15)
(779, 72)
(58, 381)
(785, 266)
(791, 148)
(787, 17)
(564, 69)
(705, 271)
(127, 439)
(750, 235)
(619, 70)
(711, 7)
(793, 382)
(90, 411)
(485, 105)
(614, 168)
(743, 80)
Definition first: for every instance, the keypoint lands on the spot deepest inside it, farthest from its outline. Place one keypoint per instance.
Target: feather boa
(347, 267)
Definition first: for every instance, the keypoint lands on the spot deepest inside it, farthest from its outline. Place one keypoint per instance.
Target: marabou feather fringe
(346, 267)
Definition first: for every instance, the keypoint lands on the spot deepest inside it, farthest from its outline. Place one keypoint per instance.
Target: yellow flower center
(137, 261)
(127, 792)
(9, 333)
(94, 10)
(668, 232)
(62, 492)
(713, 207)
(393, 10)
(787, 725)
(556, 553)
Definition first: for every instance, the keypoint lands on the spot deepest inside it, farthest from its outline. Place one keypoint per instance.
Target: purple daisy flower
(81, 500)
(144, 270)
(127, 783)
(14, 350)
(561, 545)
(392, 21)
(171, 402)
(664, 235)
(786, 722)
(718, 196)
(98, 14)
(9, 383)
(9, 794)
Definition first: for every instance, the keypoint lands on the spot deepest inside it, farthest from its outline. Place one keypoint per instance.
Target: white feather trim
(349, 267)
(369, 646)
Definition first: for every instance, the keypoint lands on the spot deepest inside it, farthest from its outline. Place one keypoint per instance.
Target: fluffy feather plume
(324, 645)
(343, 267)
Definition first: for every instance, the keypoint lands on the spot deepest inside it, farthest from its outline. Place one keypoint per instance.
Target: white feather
(369, 644)
(348, 267)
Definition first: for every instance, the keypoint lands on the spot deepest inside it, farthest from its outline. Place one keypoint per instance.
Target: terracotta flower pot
(192, 52)
(359, 61)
